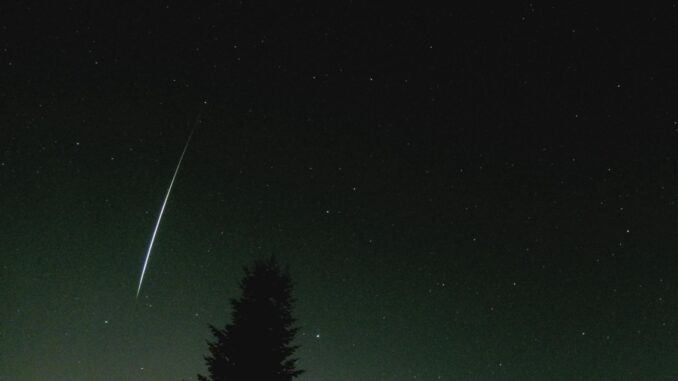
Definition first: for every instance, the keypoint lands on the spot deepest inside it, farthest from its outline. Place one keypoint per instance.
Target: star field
(469, 193)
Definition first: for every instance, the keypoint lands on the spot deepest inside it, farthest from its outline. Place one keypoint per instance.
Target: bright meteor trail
(162, 210)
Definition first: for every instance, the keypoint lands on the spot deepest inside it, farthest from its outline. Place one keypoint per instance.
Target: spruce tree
(256, 344)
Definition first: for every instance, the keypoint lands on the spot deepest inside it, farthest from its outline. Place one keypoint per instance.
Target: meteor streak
(162, 210)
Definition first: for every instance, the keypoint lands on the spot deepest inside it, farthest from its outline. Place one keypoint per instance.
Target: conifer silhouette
(256, 344)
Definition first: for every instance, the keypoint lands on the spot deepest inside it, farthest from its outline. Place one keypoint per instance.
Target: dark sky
(469, 193)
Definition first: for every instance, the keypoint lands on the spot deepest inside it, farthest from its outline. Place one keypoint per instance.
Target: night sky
(469, 193)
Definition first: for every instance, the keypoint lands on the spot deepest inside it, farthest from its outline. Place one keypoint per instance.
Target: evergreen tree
(256, 345)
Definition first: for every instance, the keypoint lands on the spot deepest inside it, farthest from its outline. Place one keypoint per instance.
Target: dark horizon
(466, 193)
